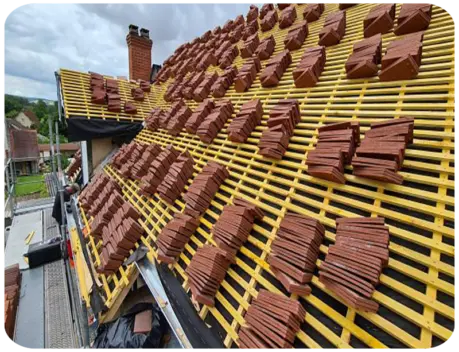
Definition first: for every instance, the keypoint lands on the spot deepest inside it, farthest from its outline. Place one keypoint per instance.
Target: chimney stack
(139, 47)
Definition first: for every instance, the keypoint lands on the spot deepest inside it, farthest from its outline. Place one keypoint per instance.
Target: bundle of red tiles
(207, 59)
(296, 36)
(402, 58)
(158, 170)
(265, 9)
(345, 6)
(225, 45)
(247, 74)
(354, 263)
(137, 93)
(275, 68)
(112, 86)
(273, 320)
(250, 29)
(215, 121)
(250, 45)
(334, 29)
(174, 236)
(153, 118)
(145, 86)
(283, 6)
(193, 83)
(130, 159)
(130, 108)
(203, 90)
(365, 58)
(252, 15)
(312, 12)
(281, 123)
(206, 271)
(101, 192)
(309, 69)
(236, 34)
(269, 21)
(98, 92)
(294, 252)
(12, 292)
(204, 187)
(198, 115)
(381, 153)
(234, 225)
(379, 20)
(334, 149)
(223, 82)
(177, 121)
(413, 18)
(266, 48)
(141, 167)
(177, 177)
(248, 117)
(124, 153)
(288, 16)
(228, 57)
(114, 102)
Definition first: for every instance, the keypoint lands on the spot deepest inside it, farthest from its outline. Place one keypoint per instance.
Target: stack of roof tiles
(144, 85)
(265, 9)
(269, 20)
(365, 58)
(130, 108)
(203, 189)
(140, 168)
(12, 291)
(234, 225)
(413, 18)
(196, 79)
(382, 151)
(288, 16)
(75, 165)
(334, 149)
(177, 121)
(174, 236)
(402, 58)
(205, 60)
(248, 117)
(283, 6)
(228, 57)
(97, 86)
(252, 15)
(198, 115)
(281, 123)
(354, 263)
(379, 20)
(177, 177)
(345, 6)
(215, 121)
(158, 170)
(266, 48)
(120, 233)
(206, 271)
(273, 320)
(203, 90)
(138, 94)
(294, 252)
(126, 157)
(93, 197)
(152, 120)
(275, 68)
(114, 102)
(251, 26)
(250, 45)
(310, 67)
(112, 86)
(312, 12)
(334, 29)
(296, 36)
(223, 82)
(247, 74)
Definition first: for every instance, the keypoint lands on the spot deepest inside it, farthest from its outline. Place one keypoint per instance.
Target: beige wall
(100, 149)
(23, 120)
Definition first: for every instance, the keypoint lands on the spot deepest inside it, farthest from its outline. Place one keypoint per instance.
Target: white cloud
(41, 38)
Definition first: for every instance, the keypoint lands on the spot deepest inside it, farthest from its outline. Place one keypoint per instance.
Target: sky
(41, 38)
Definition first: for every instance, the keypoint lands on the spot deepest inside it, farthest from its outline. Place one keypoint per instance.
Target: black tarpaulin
(81, 128)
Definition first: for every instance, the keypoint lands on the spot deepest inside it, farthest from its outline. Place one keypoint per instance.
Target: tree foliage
(14, 105)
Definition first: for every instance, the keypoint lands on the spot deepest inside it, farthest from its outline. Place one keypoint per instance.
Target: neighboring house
(23, 148)
(28, 119)
(67, 150)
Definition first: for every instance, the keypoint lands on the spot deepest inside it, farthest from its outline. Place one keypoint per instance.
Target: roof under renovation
(362, 83)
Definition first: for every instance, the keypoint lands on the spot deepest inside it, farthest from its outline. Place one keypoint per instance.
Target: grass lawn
(31, 184)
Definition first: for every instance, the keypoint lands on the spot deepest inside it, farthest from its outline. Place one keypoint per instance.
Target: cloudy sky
(41, 38)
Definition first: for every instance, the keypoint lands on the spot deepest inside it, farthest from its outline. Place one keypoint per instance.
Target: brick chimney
(139, 53)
